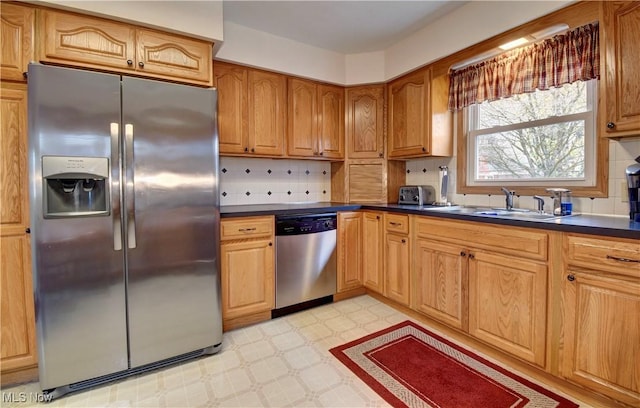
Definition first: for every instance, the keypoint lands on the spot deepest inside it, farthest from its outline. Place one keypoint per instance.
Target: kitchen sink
(516, 213)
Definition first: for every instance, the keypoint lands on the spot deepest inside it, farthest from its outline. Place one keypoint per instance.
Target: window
(544, 138)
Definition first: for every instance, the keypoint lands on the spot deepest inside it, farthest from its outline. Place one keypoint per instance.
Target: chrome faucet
(540, 203)
(509, 198)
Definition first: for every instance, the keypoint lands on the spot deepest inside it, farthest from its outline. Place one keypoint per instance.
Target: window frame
(598, 184)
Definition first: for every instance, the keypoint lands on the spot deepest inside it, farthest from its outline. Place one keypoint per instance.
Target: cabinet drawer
(246, 227)
(396, 223)
(613, 255)
(520, 242)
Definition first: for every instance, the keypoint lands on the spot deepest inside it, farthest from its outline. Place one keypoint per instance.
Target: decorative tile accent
(273, 181)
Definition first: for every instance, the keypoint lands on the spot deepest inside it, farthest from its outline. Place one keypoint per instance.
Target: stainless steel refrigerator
(124, 224)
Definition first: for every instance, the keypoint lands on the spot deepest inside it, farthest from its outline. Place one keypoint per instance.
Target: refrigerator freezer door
(171, 211)
(78, 276)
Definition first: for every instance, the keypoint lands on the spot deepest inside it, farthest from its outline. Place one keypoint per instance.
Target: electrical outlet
(624, 191)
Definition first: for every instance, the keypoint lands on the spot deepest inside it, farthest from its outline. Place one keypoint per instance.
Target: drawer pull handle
(394, 223)
(247, 229)
(615, 258)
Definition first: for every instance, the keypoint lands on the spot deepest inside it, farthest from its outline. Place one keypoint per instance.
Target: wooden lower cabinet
(440, 281)
(508, 304)
(372, 251)
(247, 270)
(18, 349)
(602, 332)
(349, 251)
(396, 285)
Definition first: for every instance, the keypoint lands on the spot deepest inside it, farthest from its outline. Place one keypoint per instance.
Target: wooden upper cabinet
(419, 122)
(78, 40)
(302, 127)
(83, 41)
(16, 23)
(364, 126)
(330, 121)
(165, 55)
(409, 115)
(231, 83)
(620, 30)
(315, 125)
(266, 107)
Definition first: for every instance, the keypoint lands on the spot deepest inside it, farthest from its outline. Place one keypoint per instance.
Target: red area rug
(409, 366)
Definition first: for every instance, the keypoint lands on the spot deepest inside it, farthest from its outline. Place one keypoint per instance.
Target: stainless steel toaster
(416, 195)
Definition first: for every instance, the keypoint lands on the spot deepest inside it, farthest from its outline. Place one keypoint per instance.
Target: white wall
(263, 50)
(470, 24)
(197, 18)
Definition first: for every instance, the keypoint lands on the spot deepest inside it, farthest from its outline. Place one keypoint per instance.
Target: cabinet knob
(571, 277)
(380, 154)
(611, 125)
(28, 230)
(270, 243)
(472, 256)
(141, 64)
(462, 253)
(246, 149)
(25, 74)
(404, 241)
(129, 62)
(253, 150)
(377, 217)
(321, 153)
(424, 149)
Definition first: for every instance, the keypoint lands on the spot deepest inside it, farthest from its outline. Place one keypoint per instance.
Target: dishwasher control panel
(305, 224)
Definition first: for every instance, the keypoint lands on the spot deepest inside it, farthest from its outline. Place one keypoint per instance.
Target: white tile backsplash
(622, 153)
(245, 180)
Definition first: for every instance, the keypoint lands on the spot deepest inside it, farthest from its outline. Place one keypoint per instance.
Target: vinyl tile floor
(283, 362)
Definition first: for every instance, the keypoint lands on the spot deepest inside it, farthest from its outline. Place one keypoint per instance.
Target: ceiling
(344, 26)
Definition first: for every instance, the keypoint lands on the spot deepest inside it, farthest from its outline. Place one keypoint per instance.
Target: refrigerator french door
(124, 224)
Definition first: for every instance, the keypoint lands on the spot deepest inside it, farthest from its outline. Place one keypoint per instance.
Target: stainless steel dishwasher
(305, 261)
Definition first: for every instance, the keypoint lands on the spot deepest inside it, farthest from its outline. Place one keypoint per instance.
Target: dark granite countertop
(614, 226)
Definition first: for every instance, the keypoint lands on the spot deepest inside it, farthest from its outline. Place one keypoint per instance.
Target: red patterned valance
(562, 59)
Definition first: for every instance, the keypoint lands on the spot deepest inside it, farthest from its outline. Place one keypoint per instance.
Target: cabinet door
(247, 277)
(397, 268)
(302, 129)
(267, 105)
(372, 255)
(508, 304)
(621, 29)
(349, 251)
(231, 83)
(440, 282)
(17, 315)
(86, 41)
(16, 23)
(602, 329)
(163, 55)
(365, 122)
(330, 121)
(409, 117)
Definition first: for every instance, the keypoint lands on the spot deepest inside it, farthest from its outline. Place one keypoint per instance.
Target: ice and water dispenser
(75, 186)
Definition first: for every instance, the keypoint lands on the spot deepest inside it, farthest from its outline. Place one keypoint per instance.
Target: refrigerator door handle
(130, 196)
(115, 186)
